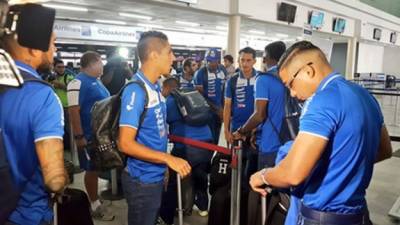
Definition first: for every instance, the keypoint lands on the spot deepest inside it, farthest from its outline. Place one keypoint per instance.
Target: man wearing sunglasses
(341, 136)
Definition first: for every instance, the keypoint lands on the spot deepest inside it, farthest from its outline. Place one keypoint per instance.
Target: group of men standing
(341, 136)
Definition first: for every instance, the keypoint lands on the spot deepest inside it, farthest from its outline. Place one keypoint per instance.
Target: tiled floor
(381, 194)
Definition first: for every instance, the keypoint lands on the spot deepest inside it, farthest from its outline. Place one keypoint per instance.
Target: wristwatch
(79, 136)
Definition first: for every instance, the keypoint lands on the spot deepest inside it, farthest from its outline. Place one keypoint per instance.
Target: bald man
(342, 134)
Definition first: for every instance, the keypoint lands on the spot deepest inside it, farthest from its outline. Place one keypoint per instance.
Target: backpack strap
(142, 85)
(232, 87)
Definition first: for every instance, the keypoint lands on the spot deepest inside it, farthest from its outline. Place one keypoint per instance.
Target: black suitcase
(74, 208)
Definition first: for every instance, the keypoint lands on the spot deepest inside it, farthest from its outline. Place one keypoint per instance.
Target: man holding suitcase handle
(341, 136)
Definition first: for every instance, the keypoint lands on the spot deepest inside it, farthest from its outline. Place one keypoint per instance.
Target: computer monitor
(316, 19)
(286, 12)
(377, 34)
(393, 37)
(339, 25)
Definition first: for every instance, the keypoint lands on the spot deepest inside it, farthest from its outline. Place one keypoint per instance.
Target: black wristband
(79, 136)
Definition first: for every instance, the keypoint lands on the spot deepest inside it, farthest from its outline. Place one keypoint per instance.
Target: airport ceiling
(389, 6)
(166, 15)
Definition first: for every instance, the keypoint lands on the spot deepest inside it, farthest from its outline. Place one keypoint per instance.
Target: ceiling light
(195, 30)
(135, 16)
(221, 28)
(150, 25)
(66, 7)
(123, 52)
(111, 22)
(282, 35)
(187, 23)
(257, 32)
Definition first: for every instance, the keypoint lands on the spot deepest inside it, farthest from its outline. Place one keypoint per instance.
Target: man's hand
(253, 139)
(229, 138)
(81, 143)
(256, 183)
(179, 165)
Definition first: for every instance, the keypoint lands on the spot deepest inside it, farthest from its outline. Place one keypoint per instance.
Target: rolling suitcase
(72, 207)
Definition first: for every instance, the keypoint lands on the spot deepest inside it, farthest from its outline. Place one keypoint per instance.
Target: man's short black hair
(170, 80)
(187, 63)
(229, 58)
(275, 50)
(57, 61)
(295, 49)
(248, 50)
(144, 44)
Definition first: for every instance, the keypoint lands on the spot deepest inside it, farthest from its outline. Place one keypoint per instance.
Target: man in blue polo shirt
(185, 78)
(143, 132)
(31, 126)
(269, 95)
(82, 93)
(210, 81)
(239, 105)
(341, 136)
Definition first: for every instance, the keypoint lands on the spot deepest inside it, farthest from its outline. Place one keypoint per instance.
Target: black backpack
(104, 152)
(193, 107)
(9, 193)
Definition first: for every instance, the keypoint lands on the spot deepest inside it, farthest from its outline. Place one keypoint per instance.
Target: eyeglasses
(290, 82)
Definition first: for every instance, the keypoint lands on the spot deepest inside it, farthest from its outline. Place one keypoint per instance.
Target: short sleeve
(173, 113)
(73, 90)
(261, 88)
(228, 89)
(319, 117)
(47, 116)
(199, 78)
(132, 106)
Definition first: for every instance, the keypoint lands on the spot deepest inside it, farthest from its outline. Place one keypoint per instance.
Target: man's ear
(310, 71)
(34, 53)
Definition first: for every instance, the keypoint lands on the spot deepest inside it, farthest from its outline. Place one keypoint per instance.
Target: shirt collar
(328, 80)
(254, 73)
(142, 77)
(273, 69)
(88, 76)
(27, 68)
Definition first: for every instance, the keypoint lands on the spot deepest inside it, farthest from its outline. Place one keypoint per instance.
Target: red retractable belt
(199, 144)
(204, 145)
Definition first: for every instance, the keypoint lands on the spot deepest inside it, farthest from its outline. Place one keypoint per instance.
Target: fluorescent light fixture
(257, 32)
(135, 16)
(195, 30)
(187, 23)
(150, 25)
(221, 28)
(66, 7)
(111, 22)
(282, 35)
(123, 52)
(218, 32)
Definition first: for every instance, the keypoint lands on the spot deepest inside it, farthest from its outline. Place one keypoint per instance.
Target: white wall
(391, 63)
(370, 58)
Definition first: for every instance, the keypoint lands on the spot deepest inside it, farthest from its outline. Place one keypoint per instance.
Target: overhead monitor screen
(316, 19)
(339, 25)
(286, 12)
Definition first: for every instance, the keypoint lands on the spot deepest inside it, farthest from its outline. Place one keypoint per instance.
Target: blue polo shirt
(28, 115)
(242, 98)
(179, 128)
(270, 88)
(152, 132)
(185, 84)
(84, 91)
(213, 84)
(350, 119)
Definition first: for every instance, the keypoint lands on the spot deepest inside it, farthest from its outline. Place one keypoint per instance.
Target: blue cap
(212, 55)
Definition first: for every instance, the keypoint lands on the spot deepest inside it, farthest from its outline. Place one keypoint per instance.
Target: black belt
(329, 217)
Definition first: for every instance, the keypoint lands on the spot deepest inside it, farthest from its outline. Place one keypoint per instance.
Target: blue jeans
(143, 200)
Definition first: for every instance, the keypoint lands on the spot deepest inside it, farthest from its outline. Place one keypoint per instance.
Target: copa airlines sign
(94, 31)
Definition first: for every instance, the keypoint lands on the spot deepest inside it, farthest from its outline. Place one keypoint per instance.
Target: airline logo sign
(99, 32)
